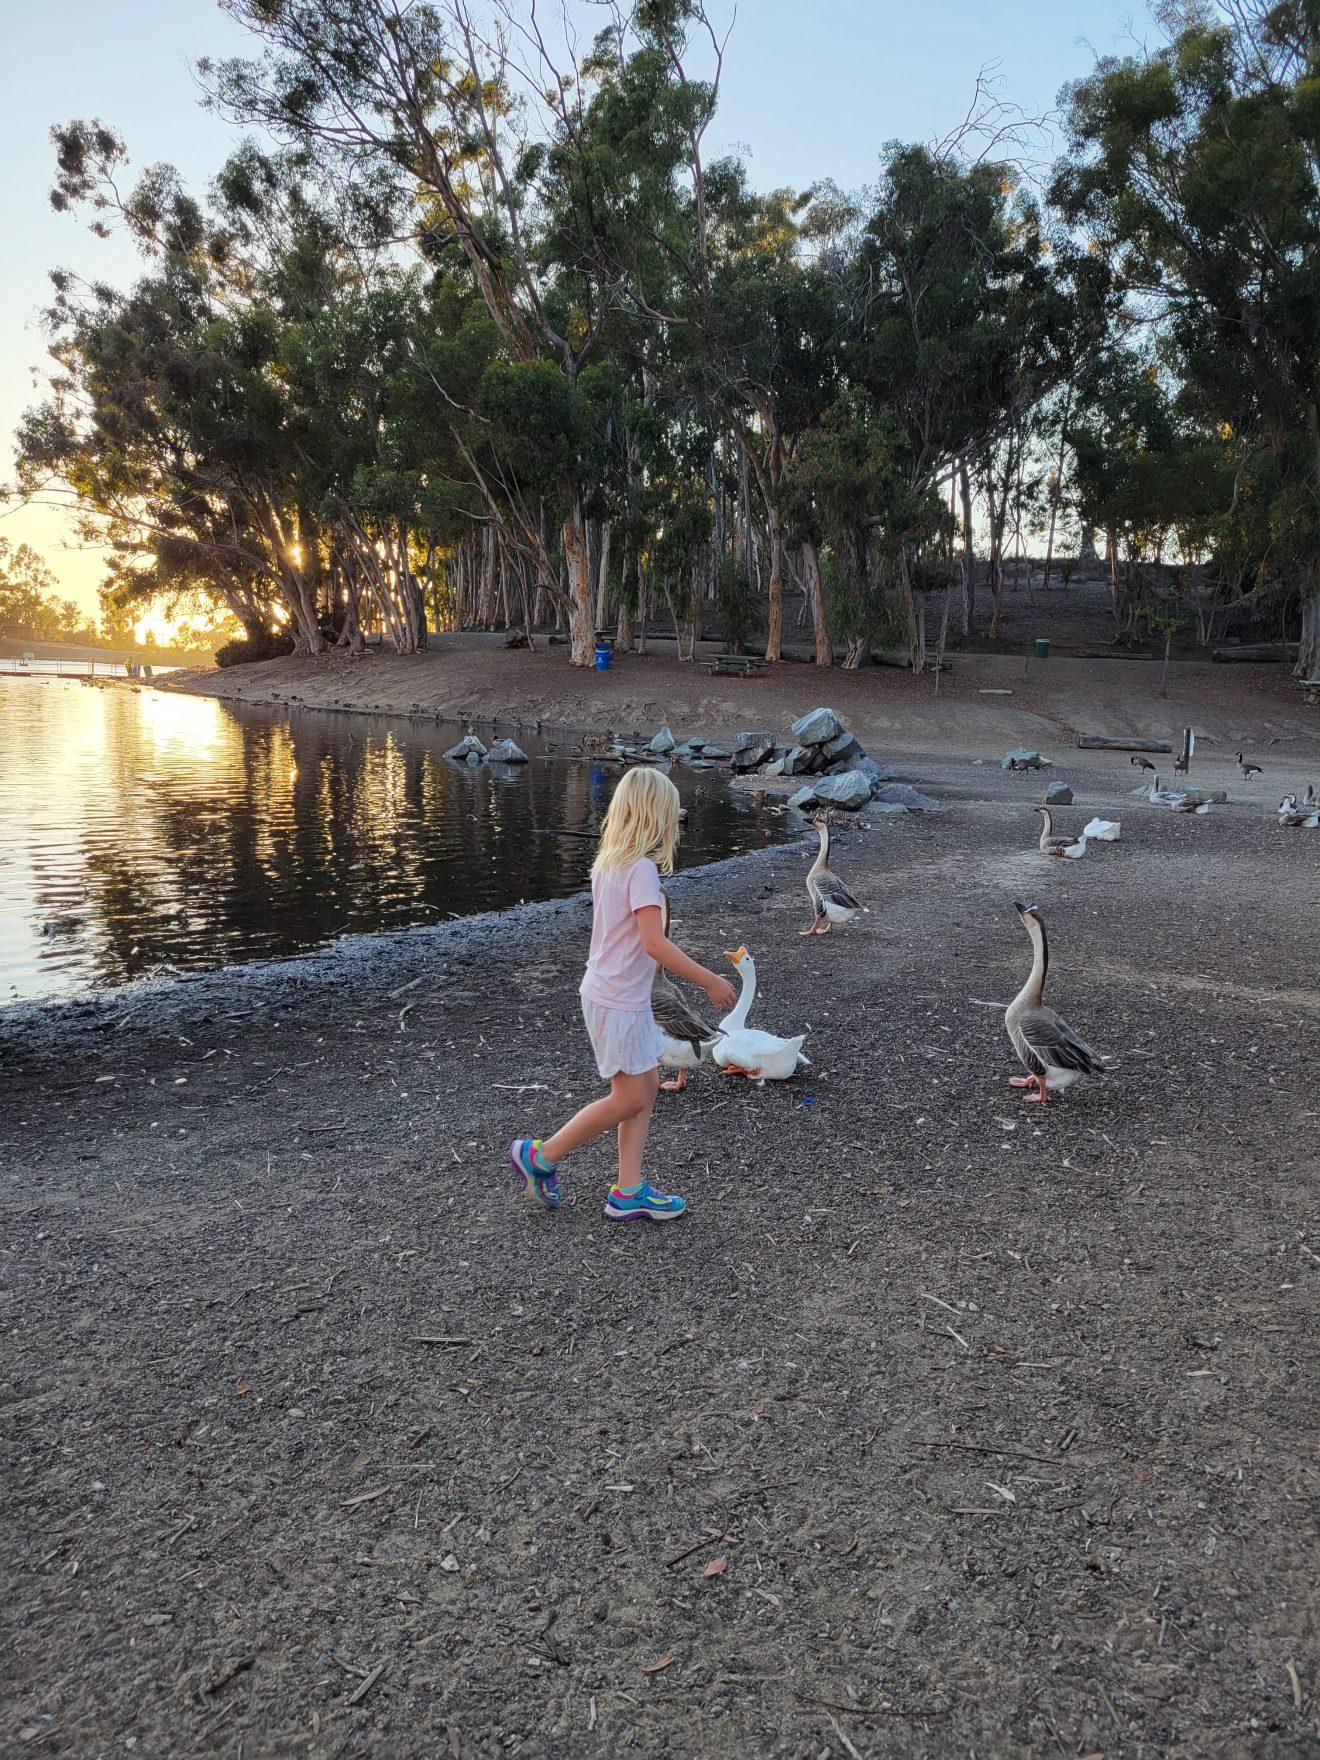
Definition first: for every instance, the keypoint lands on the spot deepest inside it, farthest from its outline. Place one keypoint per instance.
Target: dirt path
(942, 1425)
(987, 701)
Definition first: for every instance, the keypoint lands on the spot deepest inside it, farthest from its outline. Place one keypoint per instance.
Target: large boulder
(504, 751)
(469, 749)
(797, 761)
(1022, 758)
(663, 742)
(1058, 794)
(843, 745)
(872, 771)
(817, 728)
(904, 795)
(849, 791)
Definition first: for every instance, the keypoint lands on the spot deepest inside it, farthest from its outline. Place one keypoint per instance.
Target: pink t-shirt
(619, 969)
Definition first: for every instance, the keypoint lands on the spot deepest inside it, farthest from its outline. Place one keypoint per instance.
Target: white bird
(1103, 830)
(1175, 799)
(1307, 815)
(740, 1049)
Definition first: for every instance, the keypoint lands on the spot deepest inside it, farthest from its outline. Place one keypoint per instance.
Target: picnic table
(736, 665)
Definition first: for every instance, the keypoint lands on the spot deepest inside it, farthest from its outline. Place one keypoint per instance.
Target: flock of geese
(1052, 1053)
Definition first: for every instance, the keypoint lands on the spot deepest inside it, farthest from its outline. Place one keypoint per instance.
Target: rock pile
(470, 750)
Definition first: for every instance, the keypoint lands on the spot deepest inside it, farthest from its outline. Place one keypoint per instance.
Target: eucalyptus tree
(541, 173)
(1195, 169)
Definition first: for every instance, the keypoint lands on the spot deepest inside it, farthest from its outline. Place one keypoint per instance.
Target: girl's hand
(720, 991)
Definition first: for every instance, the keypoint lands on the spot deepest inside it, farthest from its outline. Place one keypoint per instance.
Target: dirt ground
(942, 1425)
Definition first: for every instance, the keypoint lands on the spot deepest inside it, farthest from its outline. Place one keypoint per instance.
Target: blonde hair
(642, 820)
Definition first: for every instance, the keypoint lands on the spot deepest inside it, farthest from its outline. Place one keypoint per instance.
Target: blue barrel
(602, 657)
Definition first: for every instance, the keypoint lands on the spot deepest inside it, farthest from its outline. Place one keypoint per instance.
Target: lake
(143, 832)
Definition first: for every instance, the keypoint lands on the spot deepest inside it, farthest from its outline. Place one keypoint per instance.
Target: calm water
(142, 832)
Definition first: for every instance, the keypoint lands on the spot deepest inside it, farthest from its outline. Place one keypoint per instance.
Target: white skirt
(626, 1041)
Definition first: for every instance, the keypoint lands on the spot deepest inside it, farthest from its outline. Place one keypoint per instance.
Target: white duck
(744, 1051)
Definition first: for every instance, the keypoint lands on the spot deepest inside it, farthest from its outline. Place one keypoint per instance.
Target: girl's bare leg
(633, 1133)
(628, 1096)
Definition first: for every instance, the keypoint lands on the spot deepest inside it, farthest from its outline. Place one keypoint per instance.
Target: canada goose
(1247, 768)
(1048, 1049)
(1067, 848)
(1141, 763)
(831, 901)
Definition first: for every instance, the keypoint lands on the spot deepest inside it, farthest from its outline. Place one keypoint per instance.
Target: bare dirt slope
(942, 1425)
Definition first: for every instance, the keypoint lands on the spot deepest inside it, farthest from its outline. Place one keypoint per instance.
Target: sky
(812, 89)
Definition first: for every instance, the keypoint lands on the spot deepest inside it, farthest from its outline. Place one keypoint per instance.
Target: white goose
(744, 1051)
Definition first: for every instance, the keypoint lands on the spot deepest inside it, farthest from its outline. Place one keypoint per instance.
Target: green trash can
(1042, 647)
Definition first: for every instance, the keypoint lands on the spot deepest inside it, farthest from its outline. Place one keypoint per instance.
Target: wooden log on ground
(1102, 742)
(1258, 653)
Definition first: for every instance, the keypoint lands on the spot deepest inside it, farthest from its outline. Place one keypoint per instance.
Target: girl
(628, 940)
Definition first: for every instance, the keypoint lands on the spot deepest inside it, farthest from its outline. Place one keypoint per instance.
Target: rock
(663, 742)
(774, 768)
(715, 754)
(904, 795)
(504, 751)
(796, 761)
(751, 749)
(1023, 758)
(804, 798)
(468, 747)
(843, 745)
(849, 791)
(817, 728)
(872, 771)
(695, 745)
(1058, 794)
(886, 807)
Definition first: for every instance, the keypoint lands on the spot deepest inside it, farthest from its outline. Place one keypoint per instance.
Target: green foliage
(736, 603)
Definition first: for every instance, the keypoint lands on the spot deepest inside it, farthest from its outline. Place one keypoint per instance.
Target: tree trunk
(816, 597)
(1308, 655)
(603, 576)
(916, 645)
(968, 609)
(581, 628)
(775, 627)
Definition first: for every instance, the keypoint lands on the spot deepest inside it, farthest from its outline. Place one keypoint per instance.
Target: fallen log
(1102, 742)
(1258, 653)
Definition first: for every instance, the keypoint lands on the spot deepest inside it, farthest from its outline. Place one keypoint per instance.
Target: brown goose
(1248, 768)
(831, 900)
(1067, 848)
(1182, 764)
(687, 1036)
(1047, 1047)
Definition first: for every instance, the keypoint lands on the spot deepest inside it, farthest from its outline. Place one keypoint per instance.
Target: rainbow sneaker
(645, 1201)
(540, 1178)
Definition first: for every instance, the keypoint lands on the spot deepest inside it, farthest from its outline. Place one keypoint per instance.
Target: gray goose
(687, 1035)
(1248, 768)
(1066, 848)
(831, 901)
(1182, 764)
(1048, 1049)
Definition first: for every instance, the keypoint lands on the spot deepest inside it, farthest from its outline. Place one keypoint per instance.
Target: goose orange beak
(738, 957)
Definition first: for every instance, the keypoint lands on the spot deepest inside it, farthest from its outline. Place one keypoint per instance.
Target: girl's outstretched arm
(650, 926)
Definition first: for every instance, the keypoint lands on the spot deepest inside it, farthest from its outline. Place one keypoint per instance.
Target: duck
(1053, 1055)
(1307, 815)
(740, 1049)
(1182, 764)
(1175, 799)
(831, 901)
(1247, 768)
(687, 1036)
(1068, 848)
